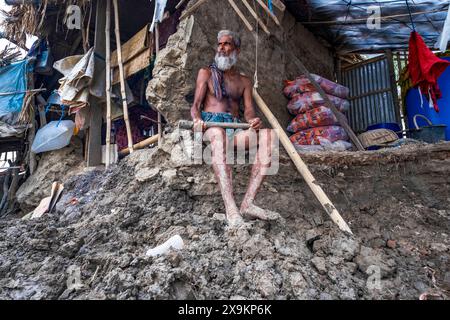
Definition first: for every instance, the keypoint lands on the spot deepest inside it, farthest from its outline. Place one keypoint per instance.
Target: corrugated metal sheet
(371, 99)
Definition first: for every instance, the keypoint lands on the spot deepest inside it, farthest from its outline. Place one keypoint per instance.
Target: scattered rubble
(95, 247)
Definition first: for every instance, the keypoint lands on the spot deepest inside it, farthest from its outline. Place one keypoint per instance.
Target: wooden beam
(274, 18)
(192, 9)
(390, 59)
(140, 145)
(94, 152)
(157, 56)
(108, 82)
(255, 15)
(301, 166)
(122, 76)
(241, 15)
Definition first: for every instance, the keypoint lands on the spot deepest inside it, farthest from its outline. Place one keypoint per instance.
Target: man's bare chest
(233, 86)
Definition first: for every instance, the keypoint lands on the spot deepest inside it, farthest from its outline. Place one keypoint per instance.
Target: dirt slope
(397, 204)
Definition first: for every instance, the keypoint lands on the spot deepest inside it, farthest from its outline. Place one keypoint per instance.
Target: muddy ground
(93, 246)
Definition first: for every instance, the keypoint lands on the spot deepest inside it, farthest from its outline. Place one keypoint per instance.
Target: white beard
(226, 63)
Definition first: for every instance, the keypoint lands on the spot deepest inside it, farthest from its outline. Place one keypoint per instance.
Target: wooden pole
(157, 55)
(140, 145)
(274, 18)
(340, 117)
(241, 15)
(255, 15)
(192, 9)
(301, 166)
(122, 76)
(108, 82)
(179, 4)
(394, 90)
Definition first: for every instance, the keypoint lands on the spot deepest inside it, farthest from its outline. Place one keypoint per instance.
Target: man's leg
(218, 140)
(259, 171)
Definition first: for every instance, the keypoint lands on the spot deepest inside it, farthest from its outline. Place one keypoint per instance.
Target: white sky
(4, 42)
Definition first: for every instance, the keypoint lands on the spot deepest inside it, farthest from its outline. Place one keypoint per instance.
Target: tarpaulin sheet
(344, 23)
(13, 86)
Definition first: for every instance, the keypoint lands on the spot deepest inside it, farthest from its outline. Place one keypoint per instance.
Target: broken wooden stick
(255, 15)
(157, 56)
(339, 116)
(122, 76)
(301, 166)
(280, 5)
(274, 18)
(241, 15)
(192, 9)
(189, 125)
(140, 145)
(108, 82)
(179, 4)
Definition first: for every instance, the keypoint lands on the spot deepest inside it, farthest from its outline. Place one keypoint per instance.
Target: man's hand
(255, 123)
(199, 125)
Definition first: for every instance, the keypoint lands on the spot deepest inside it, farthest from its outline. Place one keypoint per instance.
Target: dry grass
(32, 20)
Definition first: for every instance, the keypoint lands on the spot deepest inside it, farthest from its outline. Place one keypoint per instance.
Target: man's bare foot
(254, 212)
(235, 220)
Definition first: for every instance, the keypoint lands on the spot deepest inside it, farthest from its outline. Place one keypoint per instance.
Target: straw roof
(37, 20)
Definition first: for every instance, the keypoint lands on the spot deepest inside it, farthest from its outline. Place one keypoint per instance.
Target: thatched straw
(25, 20)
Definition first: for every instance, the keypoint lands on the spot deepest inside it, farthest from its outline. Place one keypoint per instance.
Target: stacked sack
(315, 127)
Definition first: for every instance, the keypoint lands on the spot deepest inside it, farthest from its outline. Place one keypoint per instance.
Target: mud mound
(94, 245)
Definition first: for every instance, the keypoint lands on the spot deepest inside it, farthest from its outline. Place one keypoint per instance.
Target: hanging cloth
(425, 68)
(218, 82)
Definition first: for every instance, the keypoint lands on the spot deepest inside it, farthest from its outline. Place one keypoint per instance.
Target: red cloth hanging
(425, 68)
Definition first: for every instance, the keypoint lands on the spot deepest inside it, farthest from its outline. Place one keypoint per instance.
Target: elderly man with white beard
(219, 91)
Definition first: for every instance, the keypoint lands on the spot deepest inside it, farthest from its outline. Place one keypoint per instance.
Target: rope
(410, 16)
(255, 76)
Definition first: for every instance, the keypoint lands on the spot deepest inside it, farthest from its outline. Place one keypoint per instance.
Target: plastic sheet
(13, 86)
(335, 19)
(54, 136)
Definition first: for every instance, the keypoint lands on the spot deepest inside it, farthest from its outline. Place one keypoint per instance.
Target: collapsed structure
(157, 193)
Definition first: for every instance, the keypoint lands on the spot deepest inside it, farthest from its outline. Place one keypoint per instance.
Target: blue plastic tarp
(13, 86)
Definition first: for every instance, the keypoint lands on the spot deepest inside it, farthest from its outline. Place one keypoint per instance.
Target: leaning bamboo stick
(140, 145)
(179, 4)
(192, 9)
(274, 18)
(122, 76)
(157, 55)
(241, 15)
(301, 166)
(108, 82)
(255, 15)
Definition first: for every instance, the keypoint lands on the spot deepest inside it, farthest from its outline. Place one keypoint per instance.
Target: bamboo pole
(122, 76)
(301, 166)
(241, 15)
(157, 55)
(108, 82)
(274, 18)
(179, 4)
(140, 145)
(255, 15)
(192, 9)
